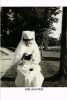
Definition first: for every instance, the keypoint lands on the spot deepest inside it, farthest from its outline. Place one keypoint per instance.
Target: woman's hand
(27, 56)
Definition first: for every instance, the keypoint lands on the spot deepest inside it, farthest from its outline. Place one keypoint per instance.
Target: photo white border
(18, 3)
(21, 93)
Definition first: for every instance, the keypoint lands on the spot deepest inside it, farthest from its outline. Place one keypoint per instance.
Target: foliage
(16, 19)
(53, 41)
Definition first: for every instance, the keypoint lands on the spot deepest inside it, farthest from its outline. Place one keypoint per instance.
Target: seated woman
(27, 58)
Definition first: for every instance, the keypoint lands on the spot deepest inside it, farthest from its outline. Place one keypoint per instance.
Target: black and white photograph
(33, 50)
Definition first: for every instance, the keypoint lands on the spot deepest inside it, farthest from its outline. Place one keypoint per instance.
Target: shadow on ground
(54, 81)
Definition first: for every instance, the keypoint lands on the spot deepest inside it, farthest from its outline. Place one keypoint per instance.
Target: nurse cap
(28, 34)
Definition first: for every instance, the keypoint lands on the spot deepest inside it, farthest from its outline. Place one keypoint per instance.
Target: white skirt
(29, 75)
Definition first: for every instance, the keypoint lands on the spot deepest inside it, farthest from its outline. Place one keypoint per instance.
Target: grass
(51, 54)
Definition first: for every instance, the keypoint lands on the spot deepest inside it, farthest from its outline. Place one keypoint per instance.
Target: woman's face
(28, 42)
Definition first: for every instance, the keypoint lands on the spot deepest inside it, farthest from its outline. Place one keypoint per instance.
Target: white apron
(29, 75)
